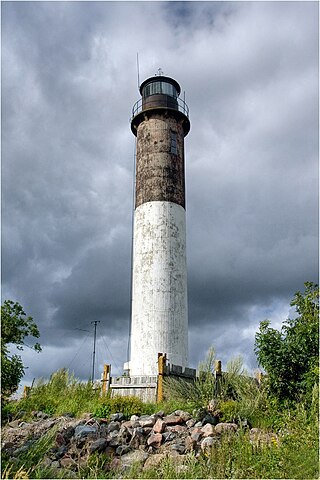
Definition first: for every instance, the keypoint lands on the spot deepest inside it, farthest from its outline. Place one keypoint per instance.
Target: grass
(294, 454)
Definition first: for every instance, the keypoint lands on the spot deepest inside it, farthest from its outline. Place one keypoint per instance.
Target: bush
(229, 410)
(291, 356)
(196, 393)
(126, 405)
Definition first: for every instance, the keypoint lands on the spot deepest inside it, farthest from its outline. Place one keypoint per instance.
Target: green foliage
(290, 356)
(249, 398)
(63, 393)
(235, 388)
(12, 370)
(229, 410)
(15, 327)
(197, 393)
(294, 454)
(126, 405)
(30, 460)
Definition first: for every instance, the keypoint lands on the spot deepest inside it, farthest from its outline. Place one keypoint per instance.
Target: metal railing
(165, 102)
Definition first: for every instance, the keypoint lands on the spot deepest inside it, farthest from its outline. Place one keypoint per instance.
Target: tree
(15, 327)
(290, 356)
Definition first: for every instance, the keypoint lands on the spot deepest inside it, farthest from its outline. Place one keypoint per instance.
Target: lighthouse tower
(159, 320)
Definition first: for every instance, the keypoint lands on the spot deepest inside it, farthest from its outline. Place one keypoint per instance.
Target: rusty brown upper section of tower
(160, 121)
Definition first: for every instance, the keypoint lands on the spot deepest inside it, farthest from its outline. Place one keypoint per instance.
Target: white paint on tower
(159, 291)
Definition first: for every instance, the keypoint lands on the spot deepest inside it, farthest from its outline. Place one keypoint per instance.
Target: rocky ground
(145, 439)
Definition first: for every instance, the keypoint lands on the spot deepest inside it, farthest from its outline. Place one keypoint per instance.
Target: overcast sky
(69, 81)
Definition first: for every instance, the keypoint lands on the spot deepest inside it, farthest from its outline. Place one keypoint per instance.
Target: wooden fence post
(217, 376)
(161, 367)
(106, 379)
(259, 377)
(26, 391)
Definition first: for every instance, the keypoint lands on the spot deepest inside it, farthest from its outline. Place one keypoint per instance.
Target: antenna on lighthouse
(138, 69)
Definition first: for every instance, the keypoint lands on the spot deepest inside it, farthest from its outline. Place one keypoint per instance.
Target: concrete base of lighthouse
(159, 290)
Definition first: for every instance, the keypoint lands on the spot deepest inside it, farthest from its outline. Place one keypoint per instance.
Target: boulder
(147, 421)
(226, 428)
(190, 443)
(137, 456)
(82, 431)
(207, 443)
(208, 430)
(116, 417)
(14, 424)
(169, 436)
(210, 419)
(190, 423)
(137, 438)
(153, 461)
(113, 426)
(159, 414)
(177, 428)
(60, 439)
(98, 445)
(184, 415)
(196, 435)
(122, 450)
(61, 452)
(155, 440)
(179, 447)
(114, 440)
(159, 426)
(67, 462)
(173, 420)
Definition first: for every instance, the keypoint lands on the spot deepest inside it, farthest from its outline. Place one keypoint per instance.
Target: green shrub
(126, 405)
(290, 355)
(196, 393)
(229, 410)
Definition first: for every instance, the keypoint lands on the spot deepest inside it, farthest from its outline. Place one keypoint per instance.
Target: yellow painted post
(161, 367)
(106, 374)
(217, 367)
(26, 391)
(217, 375)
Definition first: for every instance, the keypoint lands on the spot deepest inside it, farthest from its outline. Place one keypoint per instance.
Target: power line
(113, 360)
(76, 354)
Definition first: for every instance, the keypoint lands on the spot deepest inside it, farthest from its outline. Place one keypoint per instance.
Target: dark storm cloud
(250, 72)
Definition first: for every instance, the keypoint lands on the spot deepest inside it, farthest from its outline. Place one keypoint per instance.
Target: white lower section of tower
(159, 289)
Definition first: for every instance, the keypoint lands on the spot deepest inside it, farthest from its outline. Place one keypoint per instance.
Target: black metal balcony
(159, 101)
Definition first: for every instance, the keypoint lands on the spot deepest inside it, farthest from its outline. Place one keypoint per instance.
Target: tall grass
(238, 395)
(196, 393)
(294, 453)
(63, 393)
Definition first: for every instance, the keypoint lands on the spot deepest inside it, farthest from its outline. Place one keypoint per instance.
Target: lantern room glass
(154, 88)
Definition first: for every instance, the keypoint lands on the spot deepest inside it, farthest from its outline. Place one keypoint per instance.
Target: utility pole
(94, 347)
